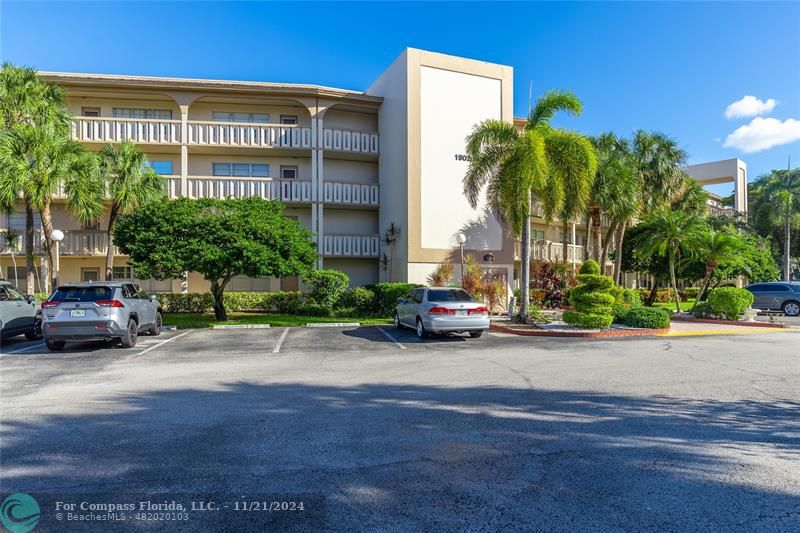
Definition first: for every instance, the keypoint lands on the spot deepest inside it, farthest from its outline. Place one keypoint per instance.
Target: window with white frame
(288, 172)
(130, 112)
(90, 111)
(537, 235)
(288, 119)
(121, 272)
(16, 221)
(228, 116)
(245, 170)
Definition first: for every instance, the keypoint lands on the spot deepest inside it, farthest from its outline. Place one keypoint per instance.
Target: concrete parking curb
(729, 322)
(241, 326)
(580, 334)
(333, 324)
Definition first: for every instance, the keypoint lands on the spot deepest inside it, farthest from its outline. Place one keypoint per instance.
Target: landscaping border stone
(580, 334)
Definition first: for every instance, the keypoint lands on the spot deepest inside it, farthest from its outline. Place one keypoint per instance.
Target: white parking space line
(159, 344)
(277, 348)
(391, 338)
(25, 349)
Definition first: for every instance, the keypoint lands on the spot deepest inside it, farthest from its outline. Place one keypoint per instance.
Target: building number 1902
(462, 157)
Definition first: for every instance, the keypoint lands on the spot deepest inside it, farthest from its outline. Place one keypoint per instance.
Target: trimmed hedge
(592, 299)
(266, 302)
(360, 299)
(386, 295)
(702, 310)
(646, 317)
(327, 286)
(730, 302)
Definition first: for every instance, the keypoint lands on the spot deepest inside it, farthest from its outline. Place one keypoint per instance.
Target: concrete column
(184, 149)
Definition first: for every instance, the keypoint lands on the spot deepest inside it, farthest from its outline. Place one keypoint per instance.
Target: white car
(19, 315)
(441, 310)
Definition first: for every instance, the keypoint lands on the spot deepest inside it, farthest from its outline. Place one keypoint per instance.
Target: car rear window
(82, 294)
(457, 295)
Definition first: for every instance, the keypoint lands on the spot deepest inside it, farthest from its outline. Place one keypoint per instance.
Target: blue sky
(671, 67)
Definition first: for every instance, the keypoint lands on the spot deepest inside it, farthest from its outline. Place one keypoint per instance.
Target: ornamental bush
(729, 302)
(327, 286)
(592, 299)
(386, 295)
(360, 300)
(619, 311)
(702, 310)
(646, 317)
(267, 302)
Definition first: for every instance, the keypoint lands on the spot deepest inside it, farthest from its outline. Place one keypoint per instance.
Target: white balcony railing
(105, 130)
(350, 141)
(76, 242)
(350, 246)
(552, 251)
(350, 193)
(246, 134)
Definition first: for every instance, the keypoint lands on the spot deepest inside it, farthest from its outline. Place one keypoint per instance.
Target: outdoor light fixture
(488, 258)
(57, 237)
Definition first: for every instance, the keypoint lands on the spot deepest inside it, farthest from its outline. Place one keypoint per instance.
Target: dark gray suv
(115, 311)
(777, 296)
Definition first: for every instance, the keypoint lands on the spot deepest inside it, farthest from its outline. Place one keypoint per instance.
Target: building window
(288, 119)
(537, 235)
(16, 221)
(121, 272)
(161, 167)
(244, 170)
(90, 111)
(288, 172)
(129, 112)
(225, 116)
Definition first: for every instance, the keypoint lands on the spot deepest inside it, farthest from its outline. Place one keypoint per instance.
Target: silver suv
(18, 315)
(777, 296)
(116, 311)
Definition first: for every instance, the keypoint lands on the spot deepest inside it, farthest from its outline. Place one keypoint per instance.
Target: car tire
(396, 319)
(131, 335)
(422, 333)
(36, 334)
(155, 331)
(791, 308)
(54, 345)
(475, 334)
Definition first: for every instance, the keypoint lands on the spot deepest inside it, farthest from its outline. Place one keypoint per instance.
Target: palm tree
(130, 183)
(45, 163)
(781, 193)
(27, 101)
(514, 165)
(671, 234)
(11, 237)
(715, 247)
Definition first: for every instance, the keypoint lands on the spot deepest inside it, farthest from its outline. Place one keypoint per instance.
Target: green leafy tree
(513, 166)
(780, 208)
(129, 184)
(26, 102)
(671, 234)
(219, 239)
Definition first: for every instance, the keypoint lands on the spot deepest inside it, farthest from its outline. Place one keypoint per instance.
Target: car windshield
(457, 295)
(81, 294)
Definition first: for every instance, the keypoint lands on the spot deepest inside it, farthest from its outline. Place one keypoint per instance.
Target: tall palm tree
(11, 237)
(45, 163)
(130, 183)
(514, 165)
(714, 247)
(671, 234)
(25, 101)
(782, 193)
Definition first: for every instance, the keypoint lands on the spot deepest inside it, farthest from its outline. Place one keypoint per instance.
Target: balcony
(350, 246)
(75, 243)
(285, 190)
(228, 134)
(110, 130)
(552, 251)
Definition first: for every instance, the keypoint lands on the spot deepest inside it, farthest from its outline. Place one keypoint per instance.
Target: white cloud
(750, 106)
(763, 133)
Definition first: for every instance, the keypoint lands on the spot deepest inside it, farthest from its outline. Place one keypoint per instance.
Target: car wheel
(396, 319)
(54, 345)
(36, 334)
(155, 331)
(475, 334)
(131, 335)
(791, 309)
(422, 333)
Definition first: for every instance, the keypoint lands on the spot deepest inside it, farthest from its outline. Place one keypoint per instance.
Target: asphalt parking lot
(381, 431)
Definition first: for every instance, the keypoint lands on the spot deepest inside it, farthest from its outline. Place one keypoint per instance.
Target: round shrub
(730, 302)
(360, 299)
(327, 286)
(592, 299)
(619, 311)
(646, 317)
(630, 297)
(702, 310)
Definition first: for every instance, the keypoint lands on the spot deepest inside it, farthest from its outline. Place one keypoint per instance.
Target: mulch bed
(534, 331)
(729, 322)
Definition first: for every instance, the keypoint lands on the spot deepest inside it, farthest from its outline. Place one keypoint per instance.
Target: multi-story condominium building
(346, 164)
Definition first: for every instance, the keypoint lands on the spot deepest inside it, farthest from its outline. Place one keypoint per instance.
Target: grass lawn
(685, 306)
(205, 320)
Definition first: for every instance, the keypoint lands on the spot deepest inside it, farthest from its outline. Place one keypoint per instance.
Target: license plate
(77, 312)
(461, 312)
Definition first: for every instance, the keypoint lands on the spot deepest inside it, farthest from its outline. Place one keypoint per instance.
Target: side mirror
(30, 298)
(401, 301)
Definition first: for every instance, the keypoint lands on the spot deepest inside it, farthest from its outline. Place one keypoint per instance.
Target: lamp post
(461, 239)
(57, 237)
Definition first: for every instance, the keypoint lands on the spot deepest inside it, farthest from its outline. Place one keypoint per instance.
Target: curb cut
(333, 324)
(241, 326)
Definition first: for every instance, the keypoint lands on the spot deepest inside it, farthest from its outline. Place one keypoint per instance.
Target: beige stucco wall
(349, 120)
(106, 105)
(203, 111)
(351, 222)
(341, 170)
(360, 271)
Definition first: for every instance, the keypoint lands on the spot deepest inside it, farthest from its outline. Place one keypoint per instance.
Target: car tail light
(45, 305)
(109, 303)
(441, 311)
(479, 311)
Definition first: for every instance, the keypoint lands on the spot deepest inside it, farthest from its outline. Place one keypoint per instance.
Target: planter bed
(728, 322)
(557, 330)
